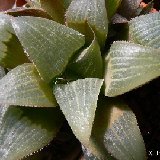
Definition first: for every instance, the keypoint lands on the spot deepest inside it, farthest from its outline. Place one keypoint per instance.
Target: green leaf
(112, 6)
(129, 66)
(145, 30)
(48, 44)
(78, 101)
(23, 131)
(89, 62)
(55, 8)
(23, 86)
(11, 52)
(115, 128)
(82, 13)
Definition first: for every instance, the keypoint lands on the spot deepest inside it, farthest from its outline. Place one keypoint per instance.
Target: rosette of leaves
(51, 71)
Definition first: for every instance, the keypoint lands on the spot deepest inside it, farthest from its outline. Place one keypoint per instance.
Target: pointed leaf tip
(78, 101)
(129, 66)
(83, 12)
(48, 44)
(23, 86)
(89, 63)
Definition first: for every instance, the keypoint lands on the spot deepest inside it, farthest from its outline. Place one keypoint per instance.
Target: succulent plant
(58, 63)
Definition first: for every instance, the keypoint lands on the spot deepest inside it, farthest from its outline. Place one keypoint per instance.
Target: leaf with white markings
(129, 66)
(78, 101)
(115, 128)
(24, 131)
(49, 45)
(89, 62)
(83, 12)
(11, 52)
(23, 86)
(145, 30)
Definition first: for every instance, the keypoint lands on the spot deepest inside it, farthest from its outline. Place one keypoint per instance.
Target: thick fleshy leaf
(55, 8)
(78, 101)
(115, 128)
(89, 62)
(24, 131)
(23, 86)
(83, 12)
(129, 8)
(48, 44)
(22, 11)
(11, 52)
(145, 30)
(112, 6)
(129, 66)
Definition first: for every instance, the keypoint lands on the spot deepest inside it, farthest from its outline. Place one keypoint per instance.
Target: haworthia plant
(10, 56)
(48, 44)
(82, 13)
(50, 67)
(23, 86)
(23, 132)
(128, 66)
(145, 30)
(78, 101)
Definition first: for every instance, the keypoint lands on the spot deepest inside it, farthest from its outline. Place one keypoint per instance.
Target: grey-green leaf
(81, 12)
(145, 30)
(11, 52)
(22, 131)
(116, 129)
(89, 62)
(129, 66)
(23, 86)
(48, 44)
(78, 101)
